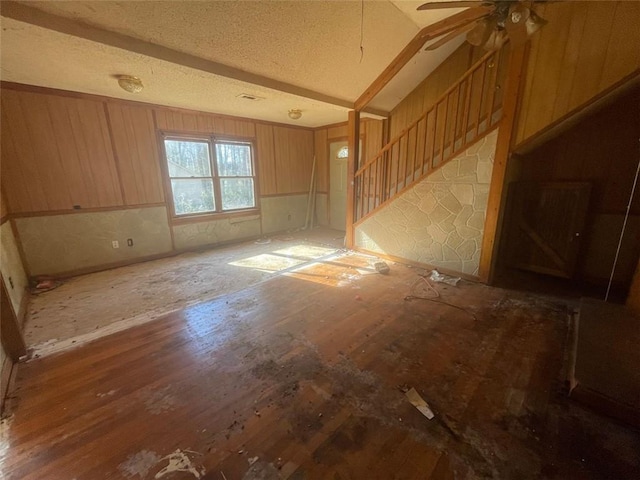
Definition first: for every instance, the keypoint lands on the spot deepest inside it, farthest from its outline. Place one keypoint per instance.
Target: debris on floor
(381, 267)
(419, 402)
(442, 278)
(43, 284)
(180, 462)
(262, 241)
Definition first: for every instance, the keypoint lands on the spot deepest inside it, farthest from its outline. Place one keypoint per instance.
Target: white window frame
(212, 141)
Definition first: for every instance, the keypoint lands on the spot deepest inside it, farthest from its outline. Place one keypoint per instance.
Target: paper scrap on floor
(419, 402)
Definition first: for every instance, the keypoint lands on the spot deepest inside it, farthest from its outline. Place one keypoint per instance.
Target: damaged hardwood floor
(298, 377)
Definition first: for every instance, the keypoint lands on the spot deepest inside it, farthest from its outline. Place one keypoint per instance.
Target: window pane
(234, 160)
(187, 159)
(193, 196)
(237, 193)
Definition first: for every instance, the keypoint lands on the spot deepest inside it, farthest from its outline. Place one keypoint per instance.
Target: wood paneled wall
(585, 48)
(61, 149)
(56, 153)
(293, 159)
(182, 121)
(4, 211)
(602, 149)
(426, 94)
(136, 147)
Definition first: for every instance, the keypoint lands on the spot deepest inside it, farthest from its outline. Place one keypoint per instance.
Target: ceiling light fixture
(130, 84)
(295, 113)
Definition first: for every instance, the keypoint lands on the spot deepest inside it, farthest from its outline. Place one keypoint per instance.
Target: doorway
(338, 164)
(338, 160)
(567, 206)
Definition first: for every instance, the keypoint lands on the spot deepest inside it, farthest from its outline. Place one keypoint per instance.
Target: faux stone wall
(440, 220)
(62, 243)
(283, 213)
(212, 232)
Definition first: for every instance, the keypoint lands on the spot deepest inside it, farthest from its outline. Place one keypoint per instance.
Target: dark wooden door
(546, 225)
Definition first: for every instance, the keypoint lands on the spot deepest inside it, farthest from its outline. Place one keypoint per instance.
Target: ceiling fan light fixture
(479, 34)
(495, 40)
(534, 23)
(295, 113)
(130, 83)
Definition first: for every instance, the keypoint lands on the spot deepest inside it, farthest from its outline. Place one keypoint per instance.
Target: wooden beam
(352, 165)
(497, 191)
(427, 33)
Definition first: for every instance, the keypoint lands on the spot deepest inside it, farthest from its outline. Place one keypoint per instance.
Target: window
(209, 175)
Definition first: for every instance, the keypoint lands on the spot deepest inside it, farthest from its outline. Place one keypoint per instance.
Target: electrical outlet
(130, 242)
(115, 244)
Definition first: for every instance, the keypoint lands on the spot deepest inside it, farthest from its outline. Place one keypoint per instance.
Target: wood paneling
(293, 159)
(601, 149)
(63, 149)
(4, 208)
(337, 131)
(177, 121)
(136, 148)
(425, 94)
(586, 48)
(372, 130)
(56, 153)
(633, 300)
(266, 159)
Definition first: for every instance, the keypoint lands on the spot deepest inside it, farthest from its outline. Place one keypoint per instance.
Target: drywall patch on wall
(439, 221)
(11, 266)
(63, 243)
(283, 213)
(215, 231)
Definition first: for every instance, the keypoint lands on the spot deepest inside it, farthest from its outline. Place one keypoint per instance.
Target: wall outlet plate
(115, 244)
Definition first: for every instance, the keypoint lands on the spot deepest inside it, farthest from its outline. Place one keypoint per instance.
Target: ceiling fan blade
(461, 4)
(447, 38)
(481, 32)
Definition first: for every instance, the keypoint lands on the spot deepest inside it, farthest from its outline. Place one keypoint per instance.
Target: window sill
(237, 215)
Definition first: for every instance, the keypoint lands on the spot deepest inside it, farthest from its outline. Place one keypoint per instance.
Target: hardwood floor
(298, 377)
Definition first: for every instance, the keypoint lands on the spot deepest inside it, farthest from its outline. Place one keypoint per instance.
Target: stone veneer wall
(211, 232)
(283, 213)
(440, 220)
(63, 243)
(55, 244)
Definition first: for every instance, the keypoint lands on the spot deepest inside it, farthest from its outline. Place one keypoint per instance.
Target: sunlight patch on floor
(284, 258)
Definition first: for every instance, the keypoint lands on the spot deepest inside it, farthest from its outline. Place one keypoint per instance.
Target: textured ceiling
(314, 45)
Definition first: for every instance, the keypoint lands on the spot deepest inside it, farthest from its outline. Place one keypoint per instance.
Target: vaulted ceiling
(202, 55)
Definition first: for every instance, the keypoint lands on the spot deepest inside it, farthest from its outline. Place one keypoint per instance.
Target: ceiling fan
(509, 19)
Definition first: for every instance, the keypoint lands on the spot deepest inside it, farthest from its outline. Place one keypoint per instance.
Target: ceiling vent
(248, 96)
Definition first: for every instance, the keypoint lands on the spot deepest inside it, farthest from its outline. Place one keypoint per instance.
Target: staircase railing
(463, 114)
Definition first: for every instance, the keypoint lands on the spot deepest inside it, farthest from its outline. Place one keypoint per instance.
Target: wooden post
(352, 165)
(497, 192)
